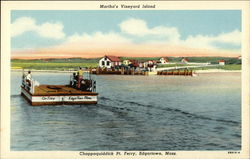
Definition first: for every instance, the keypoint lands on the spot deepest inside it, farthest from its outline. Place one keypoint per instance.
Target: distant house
(109, 61)
(184, 60)
(164, 60)
(142, 63)
(126, 62)
(46, 60)
(151, 65)
(133, 63)
(239, 57)
(150, 62)
(221, 62)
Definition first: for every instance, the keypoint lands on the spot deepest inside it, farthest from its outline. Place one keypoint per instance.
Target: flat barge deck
(58, 95)
(38, 95)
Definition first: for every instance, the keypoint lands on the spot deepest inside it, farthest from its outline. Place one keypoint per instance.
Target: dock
(176, 72)
(122, 71)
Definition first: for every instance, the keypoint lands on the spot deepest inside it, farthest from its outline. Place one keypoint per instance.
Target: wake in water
(15, 95)
(187, 114)
(122, 109)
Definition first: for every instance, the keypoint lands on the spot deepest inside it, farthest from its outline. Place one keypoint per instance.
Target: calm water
(134, 113)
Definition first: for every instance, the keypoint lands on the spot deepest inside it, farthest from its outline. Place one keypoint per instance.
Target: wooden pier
(122, 71)
(176, 72)
(131, 71)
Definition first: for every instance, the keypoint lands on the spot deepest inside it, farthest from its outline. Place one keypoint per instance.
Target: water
(134, 113)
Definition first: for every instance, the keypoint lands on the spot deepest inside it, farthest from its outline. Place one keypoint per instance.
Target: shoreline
(152, 73)
(217, 71)
(49, 71)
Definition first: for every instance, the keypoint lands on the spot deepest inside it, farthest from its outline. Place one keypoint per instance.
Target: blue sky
(188, 23)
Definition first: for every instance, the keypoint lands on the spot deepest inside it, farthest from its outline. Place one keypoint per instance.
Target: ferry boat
(71, 94)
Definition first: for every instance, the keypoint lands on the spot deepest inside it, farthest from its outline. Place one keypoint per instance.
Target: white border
(7, 6)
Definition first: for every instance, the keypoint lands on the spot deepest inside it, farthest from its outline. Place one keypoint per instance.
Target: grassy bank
(213, 60)
(225, 67)
(52, 66)
(173, 65)
(231, 67)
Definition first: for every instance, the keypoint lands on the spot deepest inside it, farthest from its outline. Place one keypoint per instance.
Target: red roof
(113, 58)
(221, 60)
(166, 59)
(132, 60)
(185, 59)
(136, 64)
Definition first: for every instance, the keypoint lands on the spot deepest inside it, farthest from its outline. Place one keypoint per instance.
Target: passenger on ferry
(74, 80)
(28, 78)
(80, 77)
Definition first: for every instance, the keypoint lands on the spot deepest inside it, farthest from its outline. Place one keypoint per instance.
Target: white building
(221, 62)
(164, 60)
(109, 61)
(185, 61)
(151, 62)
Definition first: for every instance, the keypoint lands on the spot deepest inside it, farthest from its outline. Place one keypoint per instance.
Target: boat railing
(86, 84)
(29, 84)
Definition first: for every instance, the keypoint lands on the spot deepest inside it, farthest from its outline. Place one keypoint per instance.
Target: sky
(131, 33)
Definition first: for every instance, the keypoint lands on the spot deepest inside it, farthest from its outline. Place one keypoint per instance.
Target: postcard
(125, 79)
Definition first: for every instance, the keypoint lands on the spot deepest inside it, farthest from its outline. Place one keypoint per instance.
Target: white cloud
(161, 37)
(171, 35)
(233, 37)
(133, 26)
(98, 38)
(205, 41)
(139, 27)
(22, 25)
(46, 30)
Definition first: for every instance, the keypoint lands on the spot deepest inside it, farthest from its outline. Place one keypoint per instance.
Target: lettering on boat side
(86, 97)
(79, 98)
(48, 98)
(64, 98)
(75, 98)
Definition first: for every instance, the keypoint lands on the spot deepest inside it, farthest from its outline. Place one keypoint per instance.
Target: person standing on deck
(28, 78)
(80, 77)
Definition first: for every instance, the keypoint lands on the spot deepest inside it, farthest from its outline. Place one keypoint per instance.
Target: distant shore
(69, 71)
